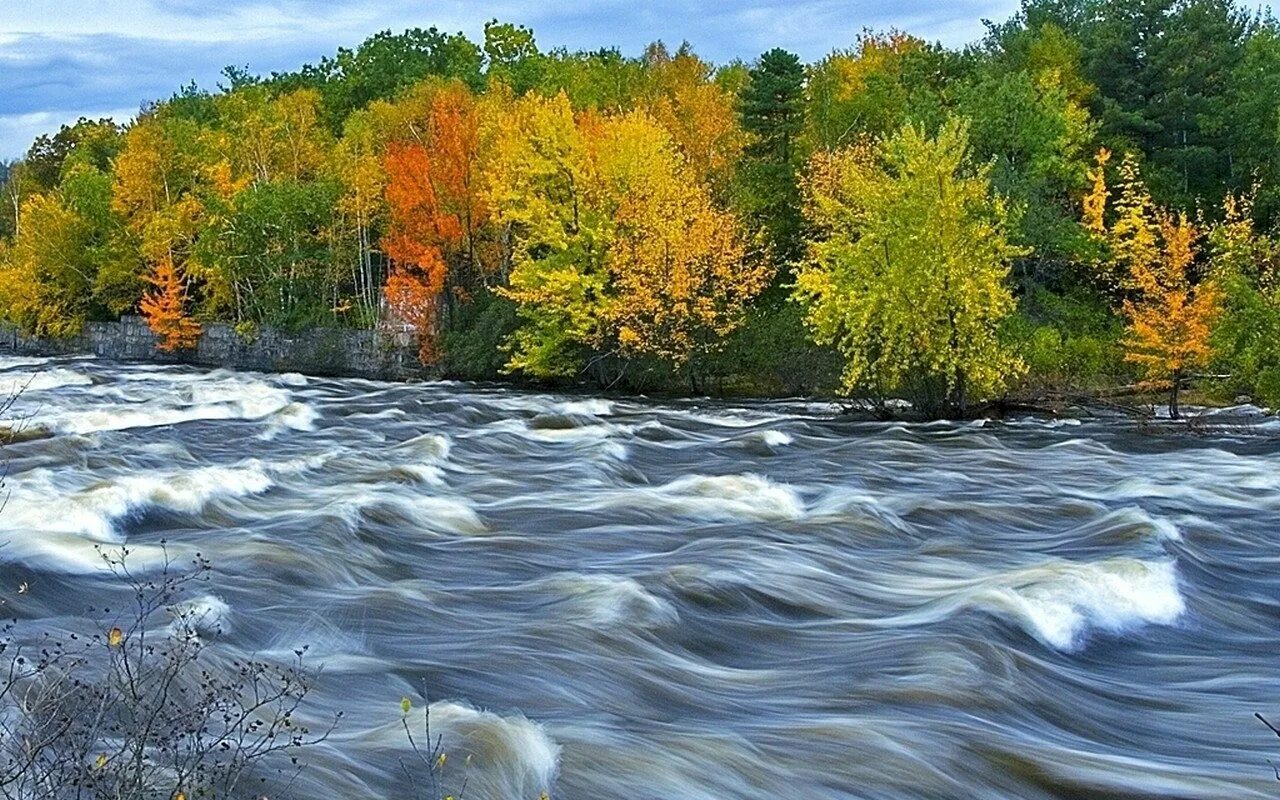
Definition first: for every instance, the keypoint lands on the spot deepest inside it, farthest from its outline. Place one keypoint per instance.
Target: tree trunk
(1173, 396)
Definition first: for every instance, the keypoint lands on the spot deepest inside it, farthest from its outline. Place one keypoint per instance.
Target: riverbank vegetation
(1084, 201)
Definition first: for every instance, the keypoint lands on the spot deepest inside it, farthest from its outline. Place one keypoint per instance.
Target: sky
(63, 59)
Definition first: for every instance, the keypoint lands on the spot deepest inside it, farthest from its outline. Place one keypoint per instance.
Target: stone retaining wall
(322, 351)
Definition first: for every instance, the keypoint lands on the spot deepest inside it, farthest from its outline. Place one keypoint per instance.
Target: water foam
(511, 755)
(745, 496)
(605, 600)
(47, 380)
(230, 397)
(95, 511)
(1061, 602)
(593, 407)
(207, 615)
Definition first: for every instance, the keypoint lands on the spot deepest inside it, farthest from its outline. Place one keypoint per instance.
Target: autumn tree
(1171, 318)
(619, 249)
(678, 265)
(436, 213)
(697, 111)
(165, 309)
(1151, 253)
(907, 272)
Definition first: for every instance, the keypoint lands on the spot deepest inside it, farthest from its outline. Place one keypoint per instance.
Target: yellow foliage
(618, 245)
(1095, 202)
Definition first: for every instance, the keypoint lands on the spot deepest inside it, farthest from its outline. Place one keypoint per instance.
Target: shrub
(135, 712)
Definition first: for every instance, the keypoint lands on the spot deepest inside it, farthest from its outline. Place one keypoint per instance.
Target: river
(686, 600)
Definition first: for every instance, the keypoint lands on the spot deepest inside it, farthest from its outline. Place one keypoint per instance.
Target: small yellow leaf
(443, 758)
(115, 637)
(179, 796)
(100, 762)
(405, 705)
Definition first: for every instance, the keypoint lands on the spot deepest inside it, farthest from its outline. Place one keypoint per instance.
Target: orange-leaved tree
(436, 214)
(165, 309)
(1152, 258)
(1170, 318)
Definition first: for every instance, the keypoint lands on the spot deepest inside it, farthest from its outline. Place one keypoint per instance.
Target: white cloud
(66, 58)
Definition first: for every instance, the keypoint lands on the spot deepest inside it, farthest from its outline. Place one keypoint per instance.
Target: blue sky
(62, 59)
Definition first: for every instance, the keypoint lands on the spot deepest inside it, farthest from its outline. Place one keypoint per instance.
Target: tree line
(1086, 197)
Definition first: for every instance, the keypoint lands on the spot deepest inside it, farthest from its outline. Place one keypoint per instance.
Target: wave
(225, 399)
(295, 416)
(606, 600)
(95, 511)
(508, 756)
(725, 497)
(418, 511)
(47, 380)
(206, 615)
(1062, 602)
(593, 407)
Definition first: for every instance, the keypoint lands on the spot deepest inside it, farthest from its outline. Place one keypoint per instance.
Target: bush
(1070, 341)
(773, 354)
(474, 342)
(134, 712)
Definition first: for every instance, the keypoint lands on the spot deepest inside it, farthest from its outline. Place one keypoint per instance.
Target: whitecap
(603, 600)
(593, 407)
(746, 496)
(510, 756)
(295, 416)
(207, 615)
(93, 512)
(225, 398)
(1060, 602)
(46, 380)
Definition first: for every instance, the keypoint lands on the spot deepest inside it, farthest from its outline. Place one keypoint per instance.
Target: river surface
(614, 599)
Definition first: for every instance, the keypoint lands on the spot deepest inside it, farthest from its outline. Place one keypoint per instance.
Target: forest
(1085, 199)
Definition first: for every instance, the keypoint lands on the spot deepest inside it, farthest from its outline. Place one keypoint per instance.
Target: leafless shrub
(136, 712)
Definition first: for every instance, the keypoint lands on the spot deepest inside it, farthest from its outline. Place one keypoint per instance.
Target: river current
(611, 599)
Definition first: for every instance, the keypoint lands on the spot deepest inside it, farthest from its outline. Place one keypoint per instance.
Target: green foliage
(773, 354)
(1245, 340)
(1069, 342)
(772, 108)
(473, 342)
(384, 65)
(273, 244)
(907, 273)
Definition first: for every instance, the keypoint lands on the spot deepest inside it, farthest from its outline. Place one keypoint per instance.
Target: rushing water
(687, 600)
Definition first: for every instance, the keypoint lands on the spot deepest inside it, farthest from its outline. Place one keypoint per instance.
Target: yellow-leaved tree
(907, 269)
(1151, 254)
(618, 247)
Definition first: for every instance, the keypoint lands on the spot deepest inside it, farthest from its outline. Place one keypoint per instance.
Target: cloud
(62, 59)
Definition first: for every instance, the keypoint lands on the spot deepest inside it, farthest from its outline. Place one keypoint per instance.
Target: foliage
(773, 114)
(618, 249)
(906, 276)
(1170, 315)
(1246, 267)
(165, 310)
(631, 208)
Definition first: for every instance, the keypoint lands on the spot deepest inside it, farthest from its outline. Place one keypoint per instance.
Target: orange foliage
(1170, 320)
(165, 309)
(436, 211)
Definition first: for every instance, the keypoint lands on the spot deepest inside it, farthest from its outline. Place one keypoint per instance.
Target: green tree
(772, 108)
(907, 269)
